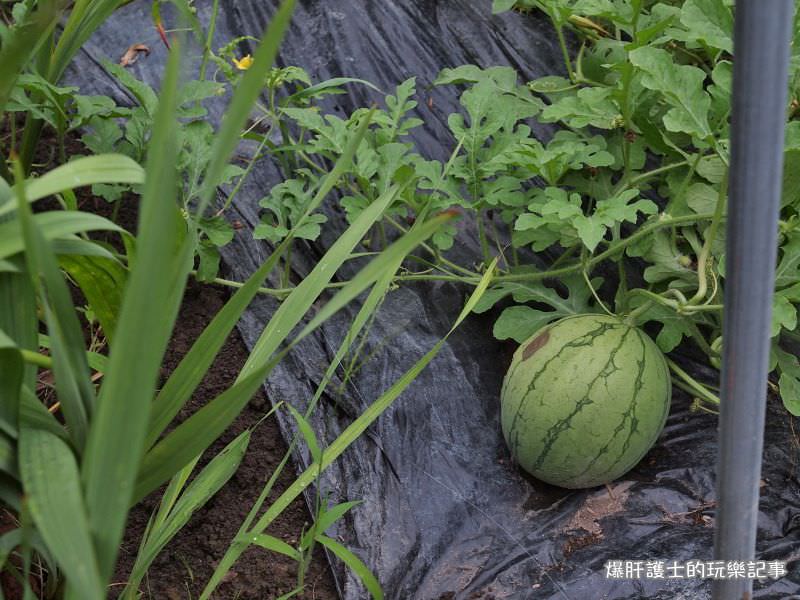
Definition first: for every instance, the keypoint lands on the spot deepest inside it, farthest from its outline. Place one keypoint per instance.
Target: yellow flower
(243, 63)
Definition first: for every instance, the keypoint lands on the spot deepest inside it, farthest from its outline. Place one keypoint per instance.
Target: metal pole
(761, 58)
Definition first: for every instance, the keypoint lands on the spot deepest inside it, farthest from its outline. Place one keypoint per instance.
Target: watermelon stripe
(585, 340)
(631, 412)
(584, 361)
(563, 424)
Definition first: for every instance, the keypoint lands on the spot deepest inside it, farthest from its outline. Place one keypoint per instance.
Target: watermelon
(584, 400)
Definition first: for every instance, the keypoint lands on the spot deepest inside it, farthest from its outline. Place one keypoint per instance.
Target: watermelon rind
(584, 400)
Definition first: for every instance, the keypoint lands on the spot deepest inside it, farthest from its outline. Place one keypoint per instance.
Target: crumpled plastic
(444, 513)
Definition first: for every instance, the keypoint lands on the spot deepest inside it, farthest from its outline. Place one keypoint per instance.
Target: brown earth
(184, 566)
(188, 561)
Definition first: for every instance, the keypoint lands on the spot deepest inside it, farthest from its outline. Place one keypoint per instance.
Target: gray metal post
(761, 57)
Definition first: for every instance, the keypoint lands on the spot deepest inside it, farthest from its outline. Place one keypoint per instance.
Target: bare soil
(188, 561)
(185, 565)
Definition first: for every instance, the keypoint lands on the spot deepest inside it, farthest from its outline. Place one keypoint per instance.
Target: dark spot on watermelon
(531, 348)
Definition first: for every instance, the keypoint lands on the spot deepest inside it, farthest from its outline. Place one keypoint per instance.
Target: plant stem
(610, 251)
(692, 383)
(34, 358)
(562, 42)
(564, 256)
(487, 254)
(705, 252)
(212, 24)
(653, 297)
(280, 292)
(594, 293)
(634, 314)
(432, 250)
(243, 176)
(703, 308)
(287, 266)
(653, 173)
(472, 278)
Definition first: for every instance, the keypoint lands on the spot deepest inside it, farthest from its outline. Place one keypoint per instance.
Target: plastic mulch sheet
(444, 512)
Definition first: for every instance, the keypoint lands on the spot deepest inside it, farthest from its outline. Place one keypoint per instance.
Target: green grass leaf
(273, 544)
(19, 320)
(23, 42)
(193, 367)
(8, 456)
(52, 225)
(365, 313)
(34, 414)
(349, 435)
(177, 511)
(84, 18)
(148, 312)
(328, 86)
(73, 387)
(13, 370)
(195, 434)
(355, 564)
(305, 294)
(308, 433)
(52, 486)
(327, 517)
(88, 170)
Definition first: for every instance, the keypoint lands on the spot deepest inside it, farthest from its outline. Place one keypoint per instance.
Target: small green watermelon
(584, 400)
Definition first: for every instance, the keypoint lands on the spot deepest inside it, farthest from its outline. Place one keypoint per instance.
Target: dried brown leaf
(132, 54)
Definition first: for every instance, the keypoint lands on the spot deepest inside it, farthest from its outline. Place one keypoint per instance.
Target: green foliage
(620, 162)
(107, 444)
(636, 171)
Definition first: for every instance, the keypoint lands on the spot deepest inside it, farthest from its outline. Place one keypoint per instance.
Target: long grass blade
(177, 511)
(307, 432)
(23, 42)
(376, 270)
(33, 413)
(193, 367)
(365, 313)
(76, 246)
(87, 170)
(116, 441)
(329, 516)
(195, 434)
(355, 564)
(8, 456)
(52, 224)
(13, 371)
(347, 437)
(294, 308)
(74, 389)
(52, 485)
(245, 95)
(328, 84)
(86, 16)
(273, 544)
